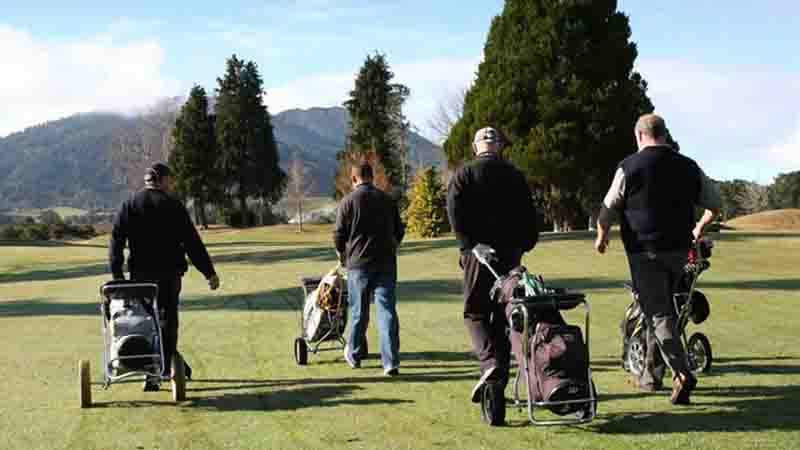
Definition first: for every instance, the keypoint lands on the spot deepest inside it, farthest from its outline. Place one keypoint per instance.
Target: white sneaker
(348, 357)
(478, 389)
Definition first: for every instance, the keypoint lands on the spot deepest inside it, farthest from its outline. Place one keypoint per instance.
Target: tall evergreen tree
(194, 154)
(557, 79)
(376, 117)
(249, 154)
(426, 215)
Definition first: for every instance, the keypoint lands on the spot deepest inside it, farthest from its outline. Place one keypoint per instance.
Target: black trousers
(484, 319)
(169, 290)
(655, 277)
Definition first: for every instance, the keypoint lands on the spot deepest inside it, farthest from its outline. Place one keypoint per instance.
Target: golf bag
(557, 354)
(133, 331)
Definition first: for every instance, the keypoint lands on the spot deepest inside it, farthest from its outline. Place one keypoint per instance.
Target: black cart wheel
(84, 378)
(590, 410)
(493, 405)
(178, 378)
(634, 355)
(699, 350)
(301, 351)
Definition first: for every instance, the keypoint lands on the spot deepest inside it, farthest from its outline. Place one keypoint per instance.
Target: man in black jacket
(368, 232)
(655, 192)
(489, 202)
(159, 234)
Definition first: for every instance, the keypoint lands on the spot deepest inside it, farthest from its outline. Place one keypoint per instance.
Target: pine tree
(194, 154)
(245, 136)
(426, 215)
(557, 79)
(376, 117)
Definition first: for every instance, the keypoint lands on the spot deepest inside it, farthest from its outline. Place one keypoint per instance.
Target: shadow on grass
(748, 235)
(739, 408)
(91, 270)
(7, 243)
(234, 384)
(35, 307)
(786, 284)
(290, 400)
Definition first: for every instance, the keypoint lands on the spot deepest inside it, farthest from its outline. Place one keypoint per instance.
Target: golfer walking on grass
(654, 193)
(159, 234)
(368, 232)
(489, 202)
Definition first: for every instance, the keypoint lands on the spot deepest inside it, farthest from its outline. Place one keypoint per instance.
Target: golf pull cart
(132, 340)
(563, 385)
(690, 305)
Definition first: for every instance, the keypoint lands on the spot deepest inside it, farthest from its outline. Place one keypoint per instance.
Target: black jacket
(159, 233)
(489, 202)
(368, 229)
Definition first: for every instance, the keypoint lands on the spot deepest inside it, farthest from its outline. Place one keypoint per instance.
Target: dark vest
(662, 188)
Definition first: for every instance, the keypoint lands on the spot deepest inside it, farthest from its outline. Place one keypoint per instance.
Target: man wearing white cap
(489, 202)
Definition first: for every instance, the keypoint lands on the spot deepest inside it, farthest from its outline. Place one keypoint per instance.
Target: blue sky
(723, 73)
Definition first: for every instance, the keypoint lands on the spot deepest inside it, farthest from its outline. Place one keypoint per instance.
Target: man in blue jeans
(368, 232)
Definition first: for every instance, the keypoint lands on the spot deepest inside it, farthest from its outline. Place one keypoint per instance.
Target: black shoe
(151, 385)
(682, 386)
(187, 371)
(477, 391)
(392, 372)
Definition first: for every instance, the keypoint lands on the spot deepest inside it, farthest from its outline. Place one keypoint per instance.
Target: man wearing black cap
(368, 233)
(489, 202)
(159, 234)
(654, 193)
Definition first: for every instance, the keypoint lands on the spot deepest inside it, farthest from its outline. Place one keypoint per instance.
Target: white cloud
(738, 122)
(430, 83)
(788, 151)
(49, 80)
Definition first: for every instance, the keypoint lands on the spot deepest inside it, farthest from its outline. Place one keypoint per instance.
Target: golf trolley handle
(108, 289)
(485, 254)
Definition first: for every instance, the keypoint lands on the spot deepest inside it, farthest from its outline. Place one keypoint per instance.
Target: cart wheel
(634, 355)
(699, 350)
(85, 381)
(493, 405)
(300, 351)
(178, 379)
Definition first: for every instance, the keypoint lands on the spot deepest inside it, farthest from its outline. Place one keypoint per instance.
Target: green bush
(44, 232)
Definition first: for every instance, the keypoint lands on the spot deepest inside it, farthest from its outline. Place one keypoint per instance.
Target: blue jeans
(360, 284)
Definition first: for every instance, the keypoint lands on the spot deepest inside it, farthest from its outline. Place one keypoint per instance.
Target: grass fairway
(250, 394)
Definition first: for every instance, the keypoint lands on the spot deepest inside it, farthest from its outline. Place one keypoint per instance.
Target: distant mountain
(68, 162)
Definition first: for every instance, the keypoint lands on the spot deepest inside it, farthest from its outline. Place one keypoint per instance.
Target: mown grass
(250, 394)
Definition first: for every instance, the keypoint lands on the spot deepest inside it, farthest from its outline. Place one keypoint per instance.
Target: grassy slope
(778, 220)
(250, 394)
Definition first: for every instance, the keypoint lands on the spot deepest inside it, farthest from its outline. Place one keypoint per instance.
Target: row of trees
(229, 156)
(740, 198)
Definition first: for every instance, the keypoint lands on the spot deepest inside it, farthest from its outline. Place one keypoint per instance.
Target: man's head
(361, 173)
(650, 130)
(486, 140)
(158, 176)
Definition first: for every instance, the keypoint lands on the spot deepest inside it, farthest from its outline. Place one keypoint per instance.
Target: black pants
(484, 319)
(655, 277)
(169, 290)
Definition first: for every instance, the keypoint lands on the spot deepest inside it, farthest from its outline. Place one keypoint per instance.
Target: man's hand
(213, 282)
(601, 244)
(698, 231)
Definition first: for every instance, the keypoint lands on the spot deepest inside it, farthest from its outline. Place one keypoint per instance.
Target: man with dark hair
(489, 202)
(159, 234)
(655, 192)
(368, 233)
